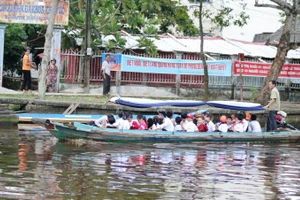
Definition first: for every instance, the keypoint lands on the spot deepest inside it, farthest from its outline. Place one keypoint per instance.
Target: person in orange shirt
(27, 65)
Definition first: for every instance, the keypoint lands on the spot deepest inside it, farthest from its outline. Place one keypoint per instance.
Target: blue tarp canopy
(235, 105)
(148, 103)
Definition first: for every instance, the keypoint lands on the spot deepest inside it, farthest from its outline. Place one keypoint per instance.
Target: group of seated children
(242, 122)
(164, 121)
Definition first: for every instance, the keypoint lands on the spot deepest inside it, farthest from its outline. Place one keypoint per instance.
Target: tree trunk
(283, 48)
(87, 60)
(47, 48)
(203, 58)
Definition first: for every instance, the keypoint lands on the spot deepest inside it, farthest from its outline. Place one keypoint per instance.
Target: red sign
(262, 69)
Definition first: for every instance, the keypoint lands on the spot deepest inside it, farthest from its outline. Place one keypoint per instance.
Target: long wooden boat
(83, 118)
(77, 130)
(81, 131)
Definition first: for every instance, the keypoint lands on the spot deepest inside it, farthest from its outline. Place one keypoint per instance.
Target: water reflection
(40, 168)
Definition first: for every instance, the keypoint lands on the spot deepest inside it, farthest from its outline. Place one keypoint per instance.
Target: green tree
(224, 17)
(47, 48)
(291, 10)
(15, 37)
(143, 17)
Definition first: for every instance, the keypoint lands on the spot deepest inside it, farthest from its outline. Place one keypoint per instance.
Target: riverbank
(98, 104)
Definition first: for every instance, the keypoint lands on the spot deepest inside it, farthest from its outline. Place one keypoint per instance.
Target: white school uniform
(168, 125)
(211, 126)
(223, 127)
(177, 127)
(191, 127)
(239, 127)
(245, 125)
(121, 124)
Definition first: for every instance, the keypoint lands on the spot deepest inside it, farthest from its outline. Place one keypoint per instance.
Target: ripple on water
(44, 169)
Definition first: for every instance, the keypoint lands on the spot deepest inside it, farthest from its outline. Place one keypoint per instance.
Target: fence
(72, 71)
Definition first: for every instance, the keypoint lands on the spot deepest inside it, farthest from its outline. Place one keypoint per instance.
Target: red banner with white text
(262, 69)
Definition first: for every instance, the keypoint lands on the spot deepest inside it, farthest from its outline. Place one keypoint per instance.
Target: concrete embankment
(46, 106)
(55, 106)
(7, 117)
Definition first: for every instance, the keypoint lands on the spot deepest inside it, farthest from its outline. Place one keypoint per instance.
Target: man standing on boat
(274, 106)
(106, 75)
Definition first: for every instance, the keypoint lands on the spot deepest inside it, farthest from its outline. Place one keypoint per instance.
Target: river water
(34, 167)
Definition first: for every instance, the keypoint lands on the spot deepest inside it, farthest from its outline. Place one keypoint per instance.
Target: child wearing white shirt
(178, 126)
(190, 126)
(210, 125)
(239, 126)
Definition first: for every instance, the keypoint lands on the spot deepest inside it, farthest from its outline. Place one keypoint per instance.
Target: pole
(2, 33)
(55, 52)
(241, 79)
(87, 63)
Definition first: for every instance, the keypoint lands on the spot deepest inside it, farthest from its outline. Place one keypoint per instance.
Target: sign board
(174, 66)
(114, 61)
(262, 69)
(32, 11)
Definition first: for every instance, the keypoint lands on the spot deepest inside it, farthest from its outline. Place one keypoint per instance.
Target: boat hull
(114, 135)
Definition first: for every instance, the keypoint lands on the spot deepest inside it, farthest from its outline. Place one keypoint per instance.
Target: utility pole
(88, 50)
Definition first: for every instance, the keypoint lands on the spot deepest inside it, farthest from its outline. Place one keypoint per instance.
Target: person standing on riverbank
(106, 75)
(274, 106)
(26, 67)
(52, 71)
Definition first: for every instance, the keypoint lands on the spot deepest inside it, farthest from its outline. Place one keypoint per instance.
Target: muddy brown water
(39, 167)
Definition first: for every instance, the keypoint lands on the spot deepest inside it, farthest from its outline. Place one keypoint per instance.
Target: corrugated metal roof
(212, 45)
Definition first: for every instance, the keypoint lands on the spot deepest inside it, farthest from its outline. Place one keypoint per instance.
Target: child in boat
(254, 125)
(167, 124)
(129, 118)
(222, 126)
(177, 124)
(238, 125)
(170, 116)
(246, 120)
(229, 122)
(156, 123)
(184, 121)
(201, 124)
(233, 118)
(141, 122)
(149, 123)
(104, 120)
(210, 125)
(121, 123)
(190, 126)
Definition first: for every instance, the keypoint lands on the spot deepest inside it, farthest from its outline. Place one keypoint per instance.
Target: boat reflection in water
(43, 169)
